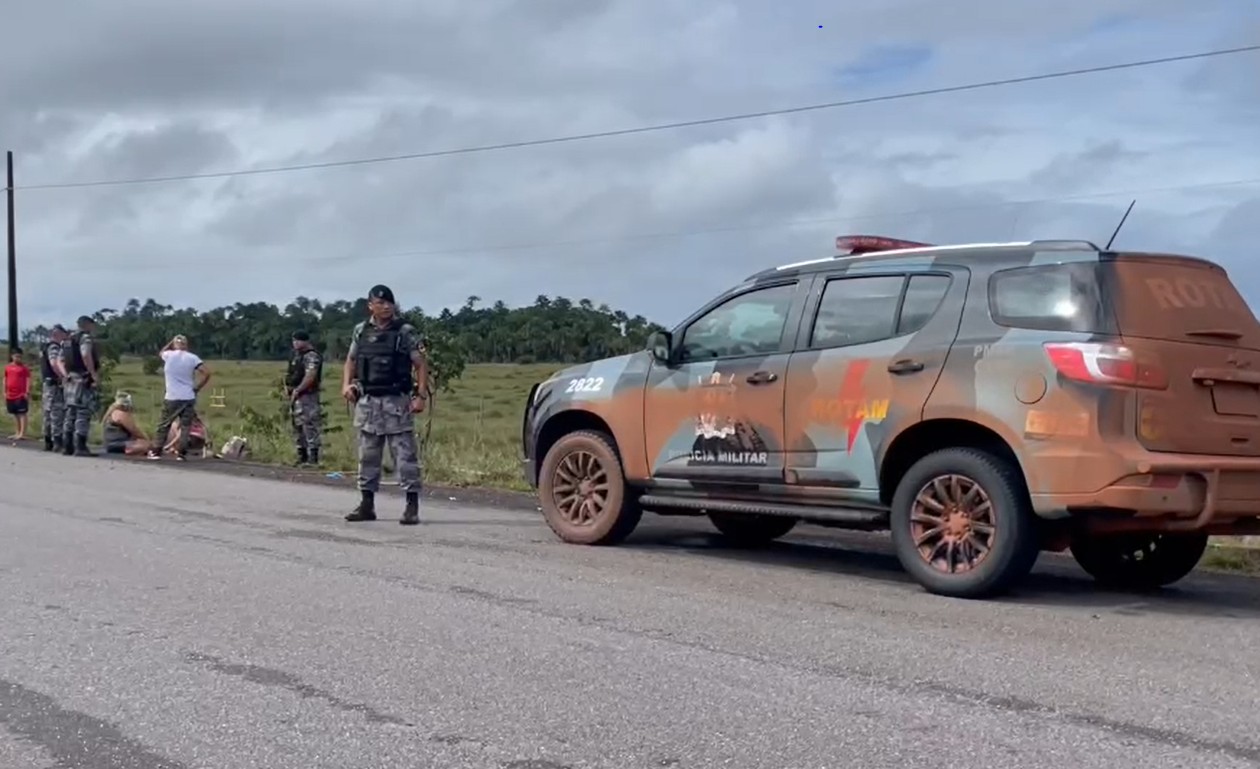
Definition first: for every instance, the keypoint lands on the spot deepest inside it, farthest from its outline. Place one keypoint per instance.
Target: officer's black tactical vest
(297, 371)
(382, 366)
(75, 364)
(46, 369)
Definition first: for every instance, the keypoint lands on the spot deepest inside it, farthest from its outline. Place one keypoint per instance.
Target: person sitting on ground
(198, 437)
(122, 435)
(17, 391)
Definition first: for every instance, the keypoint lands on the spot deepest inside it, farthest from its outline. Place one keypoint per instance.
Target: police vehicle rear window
(1052, 297)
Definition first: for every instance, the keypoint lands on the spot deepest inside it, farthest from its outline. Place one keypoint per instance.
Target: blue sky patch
(886, 63)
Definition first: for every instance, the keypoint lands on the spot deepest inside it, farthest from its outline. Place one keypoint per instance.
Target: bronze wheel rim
(580, 488)
(952, 524)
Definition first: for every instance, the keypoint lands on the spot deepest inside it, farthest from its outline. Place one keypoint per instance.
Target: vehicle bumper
(527, 439)
(1173, 492)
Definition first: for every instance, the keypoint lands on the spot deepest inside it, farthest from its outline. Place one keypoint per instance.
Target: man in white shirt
(185, 374)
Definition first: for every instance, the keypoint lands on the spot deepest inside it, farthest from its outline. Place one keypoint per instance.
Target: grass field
(475, 438)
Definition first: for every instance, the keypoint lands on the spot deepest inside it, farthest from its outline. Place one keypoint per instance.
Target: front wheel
(746, 530)
(962, 524)
(583, 491)
(1139, 561)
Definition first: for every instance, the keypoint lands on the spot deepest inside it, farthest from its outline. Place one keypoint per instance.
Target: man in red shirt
(17, 390)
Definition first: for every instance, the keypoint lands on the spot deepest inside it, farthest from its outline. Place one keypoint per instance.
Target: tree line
(551, 330)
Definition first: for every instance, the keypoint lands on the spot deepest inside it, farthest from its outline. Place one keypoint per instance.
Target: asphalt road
(167, 619)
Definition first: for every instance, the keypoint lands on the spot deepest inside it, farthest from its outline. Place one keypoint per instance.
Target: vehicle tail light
(1106, 364)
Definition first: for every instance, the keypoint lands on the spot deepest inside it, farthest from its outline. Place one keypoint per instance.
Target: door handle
(905, 366)
(761, 377)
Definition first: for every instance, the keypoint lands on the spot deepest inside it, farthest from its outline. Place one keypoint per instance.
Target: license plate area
(1236, 400)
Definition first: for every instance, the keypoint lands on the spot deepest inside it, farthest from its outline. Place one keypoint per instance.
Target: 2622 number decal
(585, 385)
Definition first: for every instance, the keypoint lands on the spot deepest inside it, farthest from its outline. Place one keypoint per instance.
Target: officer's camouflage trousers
(81, 401)
(382, 420)
(53, 409)
(307, 426)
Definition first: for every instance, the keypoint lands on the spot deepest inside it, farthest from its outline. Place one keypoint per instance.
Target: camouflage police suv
(984, 402)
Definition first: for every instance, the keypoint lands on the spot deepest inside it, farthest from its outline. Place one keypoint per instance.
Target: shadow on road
(1056, 582)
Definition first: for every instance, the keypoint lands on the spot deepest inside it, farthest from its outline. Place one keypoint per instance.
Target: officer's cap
(381, 292)
(301, 336)
(84, 320)
(58, 328)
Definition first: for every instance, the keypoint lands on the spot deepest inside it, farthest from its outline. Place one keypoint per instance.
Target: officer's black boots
(67, 444)
(312, 457)
(49, 443)
(366, 509)
(302, 458)
(411, 513)
(81, 447)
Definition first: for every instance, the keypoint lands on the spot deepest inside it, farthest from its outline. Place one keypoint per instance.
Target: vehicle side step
(843, 515)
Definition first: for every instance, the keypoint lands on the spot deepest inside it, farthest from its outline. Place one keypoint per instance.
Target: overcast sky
(134, 88)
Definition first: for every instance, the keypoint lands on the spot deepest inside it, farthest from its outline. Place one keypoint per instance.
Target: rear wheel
(962, 524)
(1139, 561)
(747, 530)
(583, 491)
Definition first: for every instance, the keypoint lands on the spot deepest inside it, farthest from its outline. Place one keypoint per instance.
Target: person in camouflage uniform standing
(378, 379)
(52, 395)
(302, 383)
(79, 356)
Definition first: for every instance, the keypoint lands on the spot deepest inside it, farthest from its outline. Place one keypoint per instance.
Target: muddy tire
(583, 493)
(744, 530)
(1139, 561)
(962, 524)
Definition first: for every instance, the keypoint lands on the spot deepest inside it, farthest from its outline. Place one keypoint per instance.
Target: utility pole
(13, 318)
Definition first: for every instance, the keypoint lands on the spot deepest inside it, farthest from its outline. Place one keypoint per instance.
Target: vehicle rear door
(872, 344)
(1186, 316)
(715, 412)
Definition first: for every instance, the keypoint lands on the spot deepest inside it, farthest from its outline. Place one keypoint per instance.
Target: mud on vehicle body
(983, 402)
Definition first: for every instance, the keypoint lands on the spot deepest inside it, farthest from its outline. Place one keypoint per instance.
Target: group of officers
(384, 377)
(70, 374)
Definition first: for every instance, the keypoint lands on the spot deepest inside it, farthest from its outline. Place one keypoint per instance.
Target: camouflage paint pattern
(822, 428)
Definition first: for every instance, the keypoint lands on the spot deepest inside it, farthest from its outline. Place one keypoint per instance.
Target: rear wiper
(1217, 333)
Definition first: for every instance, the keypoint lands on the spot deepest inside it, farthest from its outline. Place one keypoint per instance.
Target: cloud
(655, 223)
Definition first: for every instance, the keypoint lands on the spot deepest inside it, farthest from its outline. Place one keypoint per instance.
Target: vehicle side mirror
(661, 343)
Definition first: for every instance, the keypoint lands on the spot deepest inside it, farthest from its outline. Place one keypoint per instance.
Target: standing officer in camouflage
(302, 383)
(52, 396)
(79, 356)
(378, 378)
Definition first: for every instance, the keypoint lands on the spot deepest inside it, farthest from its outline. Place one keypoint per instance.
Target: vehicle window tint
(857, 311)
(748, 324)
(1053, 297)
(923, 297)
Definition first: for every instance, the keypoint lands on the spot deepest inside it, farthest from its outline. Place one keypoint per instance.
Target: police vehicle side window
(748, 324)
(924, 294)
(857, 310)
(1052, 297)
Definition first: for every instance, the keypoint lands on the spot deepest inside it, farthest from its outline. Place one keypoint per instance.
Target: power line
(660, 126)
(787, 223)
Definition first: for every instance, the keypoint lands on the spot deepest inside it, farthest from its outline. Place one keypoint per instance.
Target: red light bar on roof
(865, 244)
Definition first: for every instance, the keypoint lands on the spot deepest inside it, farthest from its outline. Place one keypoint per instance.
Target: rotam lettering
(1183, 293)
